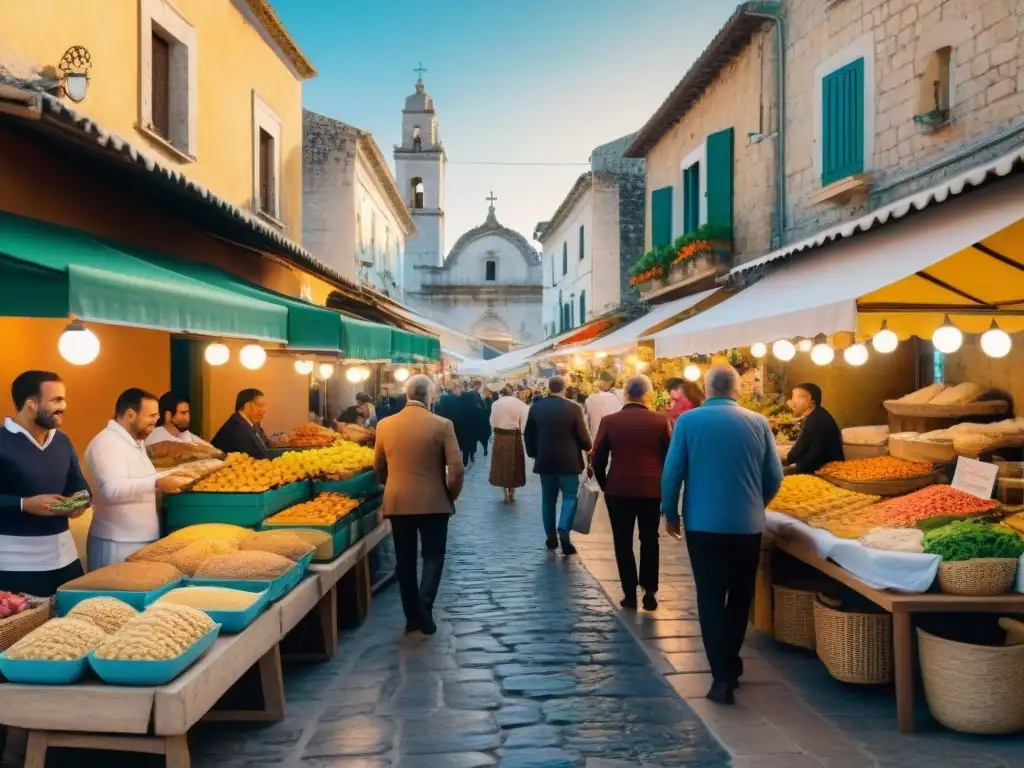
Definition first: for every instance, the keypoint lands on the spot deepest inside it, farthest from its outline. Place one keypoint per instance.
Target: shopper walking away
(418, 461)
(602, 402)
(508, 462)
(556, 438)
(485, 422)
(470, 424)
(725, 457)
(636, 440)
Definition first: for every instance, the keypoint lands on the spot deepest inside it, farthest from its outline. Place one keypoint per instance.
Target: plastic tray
(118, 672)
(244, 509)
(341, 531)
(69, 598)
(358, 485)
(40, 672)
(232, 622)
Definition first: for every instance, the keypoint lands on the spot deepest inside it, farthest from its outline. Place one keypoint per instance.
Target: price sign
(975, 477)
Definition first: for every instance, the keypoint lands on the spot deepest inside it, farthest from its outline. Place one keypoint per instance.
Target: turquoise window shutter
(720, 176)
(661, 217)
(842, 123)
(691, 199)
(583, 306)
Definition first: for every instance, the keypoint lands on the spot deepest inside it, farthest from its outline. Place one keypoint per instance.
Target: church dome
(419, 101)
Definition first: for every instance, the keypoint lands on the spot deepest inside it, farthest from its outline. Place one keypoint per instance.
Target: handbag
(586, 503)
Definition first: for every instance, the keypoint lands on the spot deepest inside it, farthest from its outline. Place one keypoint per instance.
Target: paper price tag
(975, 477)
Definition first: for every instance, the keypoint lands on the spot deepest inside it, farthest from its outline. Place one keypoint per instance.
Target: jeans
(645, 514)
(550, 487)
(724, 571)
(429, 533)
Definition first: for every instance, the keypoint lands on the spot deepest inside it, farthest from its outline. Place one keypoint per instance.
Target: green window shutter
(691, 199)
(581, 241)
(719, 150)
(661, 217)
(842, 123)
(565, 258)
(583, 306)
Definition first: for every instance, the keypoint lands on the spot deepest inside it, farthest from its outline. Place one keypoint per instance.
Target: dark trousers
(39, 583)
(724, 570)
(428, 533)
(624, 512)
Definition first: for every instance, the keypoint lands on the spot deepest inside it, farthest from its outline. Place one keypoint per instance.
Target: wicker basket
(854, 647)
(13, 628)
(981, 577)
(973, 688)
(793, 616)
(895, 487)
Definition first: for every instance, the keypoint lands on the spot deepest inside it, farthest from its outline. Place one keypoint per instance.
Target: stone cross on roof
(420, 70)
(491, 199)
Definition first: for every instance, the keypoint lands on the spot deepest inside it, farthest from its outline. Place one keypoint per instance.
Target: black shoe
(427, 625)
(734, 684)
(629, 603)
(412, 626)
(567, 547)
(650, 602)
(721, 693)
(552, 543)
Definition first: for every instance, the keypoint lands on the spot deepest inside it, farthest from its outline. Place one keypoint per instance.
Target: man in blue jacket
(725, 457)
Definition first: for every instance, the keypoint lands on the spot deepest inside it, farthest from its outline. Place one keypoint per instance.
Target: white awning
(818, 292)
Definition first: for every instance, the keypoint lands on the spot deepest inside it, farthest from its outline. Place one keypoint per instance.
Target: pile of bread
(973, 440)
(942, 394)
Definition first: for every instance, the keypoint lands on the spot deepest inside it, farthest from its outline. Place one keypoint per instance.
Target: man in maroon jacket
(637, 441)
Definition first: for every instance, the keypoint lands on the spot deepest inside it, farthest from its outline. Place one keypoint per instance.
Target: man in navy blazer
(242, 432)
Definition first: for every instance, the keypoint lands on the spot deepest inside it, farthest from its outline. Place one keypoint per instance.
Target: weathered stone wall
(632, 209)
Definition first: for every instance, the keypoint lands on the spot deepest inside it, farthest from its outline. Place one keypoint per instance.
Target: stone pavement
(789, 712)
(531, 667)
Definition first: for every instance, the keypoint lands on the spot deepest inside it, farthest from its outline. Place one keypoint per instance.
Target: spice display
(967, 541)
(127, 577)
(243, 474)
(210, 598)
(64, 639)
(245, 565)
(849, 525)
(876, 468)
(325, 509)
(934, 501)
(282, 543)
(803, 496)
(161, 632)
(895, 539)
(107, 613)
(306, 436)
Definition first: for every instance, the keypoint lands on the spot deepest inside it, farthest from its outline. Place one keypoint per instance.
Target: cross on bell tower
(419, 71)
(491, 199)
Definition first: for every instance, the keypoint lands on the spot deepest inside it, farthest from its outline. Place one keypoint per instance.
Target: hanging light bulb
(252, 356)
(784, 350)
(352, 375)
(947, 337)
(78, 345)
(995, 342)
(691, 372)
(577, 361)
(822, 354)
(304, 367)
(364, 373)
(885, 341)
(401, 374)
(326, 371)
(217, 353)
(758, 350)
(805, 345)
(856, 354)
(641, 366)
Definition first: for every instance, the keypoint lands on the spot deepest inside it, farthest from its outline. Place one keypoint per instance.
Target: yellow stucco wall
(232, 60)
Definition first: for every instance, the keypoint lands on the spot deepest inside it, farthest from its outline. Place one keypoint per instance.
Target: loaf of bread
(923, 395)
(961, 394)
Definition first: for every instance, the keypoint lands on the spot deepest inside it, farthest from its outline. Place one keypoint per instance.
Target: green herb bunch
(965, 541)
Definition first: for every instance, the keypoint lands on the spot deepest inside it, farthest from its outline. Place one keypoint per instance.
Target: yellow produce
(243, 474)
(322, 543)
(325, 509)
(161, 632)
(127, 577)
(64, 639)
(342, 458)
(284, 543)
(210, 598)
(804, 496)
(245, 565)
(107, 613)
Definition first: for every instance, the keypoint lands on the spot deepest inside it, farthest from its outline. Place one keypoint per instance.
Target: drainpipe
(773, 12)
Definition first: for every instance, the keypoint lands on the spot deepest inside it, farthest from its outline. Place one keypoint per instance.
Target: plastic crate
(42, 672)
(69, 598)
(244, 509)
(340, 531)
(120, 672)
(235, 621)
(363, 484)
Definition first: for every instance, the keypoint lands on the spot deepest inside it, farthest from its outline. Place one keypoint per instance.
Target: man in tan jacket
(420, 465)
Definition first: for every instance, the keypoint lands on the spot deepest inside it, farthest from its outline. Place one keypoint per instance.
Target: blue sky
(531, 81)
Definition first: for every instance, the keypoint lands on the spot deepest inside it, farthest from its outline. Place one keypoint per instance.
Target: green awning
(363, 340)
(52, 271)
(409, 347)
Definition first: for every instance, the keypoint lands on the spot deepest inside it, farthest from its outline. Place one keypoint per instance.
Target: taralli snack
(107, 613)
(64, 639)
(161, 632)
(127, 577)
(877, 468)
(245, 565)
(804, 496)
(284, 543)
(211, 598)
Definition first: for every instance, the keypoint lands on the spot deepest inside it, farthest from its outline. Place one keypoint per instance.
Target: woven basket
(854, 647)
(13, 628)
(973, 688)
(981, 577)
(793, 617)
(896, 487)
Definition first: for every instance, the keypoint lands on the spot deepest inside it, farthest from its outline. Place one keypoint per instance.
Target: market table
(902, 606)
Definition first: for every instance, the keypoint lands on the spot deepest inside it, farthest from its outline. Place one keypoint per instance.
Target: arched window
(417, 192)
(417, 139)
(490, 270)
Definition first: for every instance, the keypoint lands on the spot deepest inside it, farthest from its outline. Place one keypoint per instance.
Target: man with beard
(38, 469)
(174, 423)
(124, 515)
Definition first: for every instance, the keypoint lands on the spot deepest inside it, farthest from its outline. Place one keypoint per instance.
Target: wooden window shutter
(691, 199)
(842, 123)
(161, 82)
(661, 217)
(719, 150)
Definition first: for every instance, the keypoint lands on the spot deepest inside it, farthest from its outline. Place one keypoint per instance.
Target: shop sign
(975, 477)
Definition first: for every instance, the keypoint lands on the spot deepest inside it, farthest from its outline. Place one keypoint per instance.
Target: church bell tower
(419, 170)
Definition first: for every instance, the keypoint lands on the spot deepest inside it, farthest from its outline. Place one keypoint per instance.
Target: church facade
(490, 284)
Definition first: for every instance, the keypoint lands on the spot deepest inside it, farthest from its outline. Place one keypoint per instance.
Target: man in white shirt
(125, 482)
(508, 459)
(603, 402)
(174, 423)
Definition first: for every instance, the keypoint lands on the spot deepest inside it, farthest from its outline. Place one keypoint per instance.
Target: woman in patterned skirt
(508, 460)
